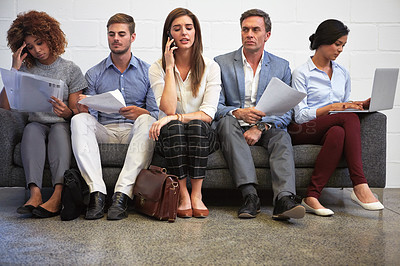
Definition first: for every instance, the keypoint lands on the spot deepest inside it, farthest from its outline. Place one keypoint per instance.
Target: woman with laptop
(327, 85)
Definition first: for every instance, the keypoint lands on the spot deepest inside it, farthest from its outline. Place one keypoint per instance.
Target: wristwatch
(261, 126)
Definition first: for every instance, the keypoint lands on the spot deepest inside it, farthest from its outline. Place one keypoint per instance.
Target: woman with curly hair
(37, 42)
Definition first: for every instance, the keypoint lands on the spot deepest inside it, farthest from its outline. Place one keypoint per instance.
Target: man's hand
(249, 115)
(81, 107)
(252, 136)
(132, 112)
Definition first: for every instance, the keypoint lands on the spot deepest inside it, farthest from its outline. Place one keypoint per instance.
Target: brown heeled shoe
(197, 213)
(184, 213)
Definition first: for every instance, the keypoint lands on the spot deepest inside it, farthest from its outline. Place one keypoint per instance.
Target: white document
(108, 102)
(30, 93)
(278, 98)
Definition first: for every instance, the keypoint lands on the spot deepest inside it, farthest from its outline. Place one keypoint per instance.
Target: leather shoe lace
(288, 207)
(96, 206)
(117, 210)
(251, 207)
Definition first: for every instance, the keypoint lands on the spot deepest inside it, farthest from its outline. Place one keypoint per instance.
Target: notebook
(383, 91)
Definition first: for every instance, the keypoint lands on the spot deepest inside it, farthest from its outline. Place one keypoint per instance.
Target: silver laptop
(383, 91)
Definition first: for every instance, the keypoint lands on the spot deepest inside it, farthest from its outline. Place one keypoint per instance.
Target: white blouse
(207, 97)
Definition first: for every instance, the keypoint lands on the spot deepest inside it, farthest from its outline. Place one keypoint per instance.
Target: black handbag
(75, 195)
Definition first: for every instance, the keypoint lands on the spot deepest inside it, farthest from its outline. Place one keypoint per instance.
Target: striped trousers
(186, 147)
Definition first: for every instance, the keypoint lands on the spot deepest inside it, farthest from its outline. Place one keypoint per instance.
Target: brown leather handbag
(156, 193)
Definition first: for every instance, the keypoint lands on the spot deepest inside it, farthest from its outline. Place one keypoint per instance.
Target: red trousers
(338, 134)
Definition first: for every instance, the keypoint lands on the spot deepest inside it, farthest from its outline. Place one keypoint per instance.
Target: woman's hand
(338, 107)
(18, 57)
(156, 126)
(169, 54)
(347, 105)
(60, 108)
(364, 104)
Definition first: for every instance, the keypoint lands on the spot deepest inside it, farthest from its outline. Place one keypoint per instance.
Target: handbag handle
(157, 168)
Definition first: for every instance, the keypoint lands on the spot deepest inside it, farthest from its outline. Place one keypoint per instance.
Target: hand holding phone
(173, 44)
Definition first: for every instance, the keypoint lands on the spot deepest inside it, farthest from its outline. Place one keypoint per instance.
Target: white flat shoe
(373, 206)
(320, 212)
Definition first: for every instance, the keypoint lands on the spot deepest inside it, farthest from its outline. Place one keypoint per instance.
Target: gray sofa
(373, 138)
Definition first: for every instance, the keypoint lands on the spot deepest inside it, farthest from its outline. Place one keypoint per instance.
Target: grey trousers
(240, 161)
(37, 139)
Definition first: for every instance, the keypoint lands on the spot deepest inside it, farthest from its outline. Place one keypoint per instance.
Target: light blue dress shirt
(320, 89)
(134, 85)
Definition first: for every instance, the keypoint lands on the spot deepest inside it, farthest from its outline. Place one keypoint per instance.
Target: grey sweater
(62, 69)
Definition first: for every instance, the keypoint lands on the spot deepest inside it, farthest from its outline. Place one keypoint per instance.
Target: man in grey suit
(245, 74)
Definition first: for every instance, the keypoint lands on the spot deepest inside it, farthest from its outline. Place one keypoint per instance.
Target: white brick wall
(374, 39)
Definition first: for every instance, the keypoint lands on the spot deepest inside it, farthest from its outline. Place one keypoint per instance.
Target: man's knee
(227, 125)
(282, 137)
(80, 119)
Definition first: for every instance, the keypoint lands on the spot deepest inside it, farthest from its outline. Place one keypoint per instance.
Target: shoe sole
(94, 217)
(26, 209)
(297, 212)
(246, 215)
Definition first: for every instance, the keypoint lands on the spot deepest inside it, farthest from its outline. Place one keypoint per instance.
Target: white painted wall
(374, 39)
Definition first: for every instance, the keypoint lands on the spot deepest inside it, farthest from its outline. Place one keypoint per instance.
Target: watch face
(261, 126)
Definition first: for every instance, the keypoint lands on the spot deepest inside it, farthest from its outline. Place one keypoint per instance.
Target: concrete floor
(351, 236)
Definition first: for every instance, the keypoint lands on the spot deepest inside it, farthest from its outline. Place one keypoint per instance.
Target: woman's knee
(198, 127)
(33, 130)
(350, 118)
(335, 135)
(172, 128)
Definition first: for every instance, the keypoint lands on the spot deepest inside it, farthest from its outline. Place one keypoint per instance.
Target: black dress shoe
(96, 205)
(43, 213)
(288, 207)
(117, 210)
(251, 207)
(26, 209)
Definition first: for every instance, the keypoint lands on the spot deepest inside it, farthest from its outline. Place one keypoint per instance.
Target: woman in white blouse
(186, 87)
(327, 85)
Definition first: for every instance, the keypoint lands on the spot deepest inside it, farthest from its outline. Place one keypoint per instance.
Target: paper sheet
(278, 98)
(108, 102)
(30, 93)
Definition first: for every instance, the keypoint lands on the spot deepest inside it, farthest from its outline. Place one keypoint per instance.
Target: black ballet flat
(43, 213)
(26, 209)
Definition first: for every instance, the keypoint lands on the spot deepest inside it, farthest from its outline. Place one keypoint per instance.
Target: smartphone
(170, 37)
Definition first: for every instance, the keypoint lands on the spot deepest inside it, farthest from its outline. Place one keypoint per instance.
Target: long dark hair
(327, 33)
(197, 61)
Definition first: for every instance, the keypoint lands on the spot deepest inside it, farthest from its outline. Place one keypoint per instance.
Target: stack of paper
(30, 93)
(108, 102)
(278, 98)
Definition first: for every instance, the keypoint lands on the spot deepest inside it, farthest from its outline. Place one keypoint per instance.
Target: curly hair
(38, 24)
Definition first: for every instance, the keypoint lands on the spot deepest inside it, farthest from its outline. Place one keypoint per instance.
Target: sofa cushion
(113, 155)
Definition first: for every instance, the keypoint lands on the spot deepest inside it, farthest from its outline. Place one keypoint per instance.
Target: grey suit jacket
(232, 95)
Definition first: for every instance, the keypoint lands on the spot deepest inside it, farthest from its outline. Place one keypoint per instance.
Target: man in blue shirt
(123, 71)
(245, 74)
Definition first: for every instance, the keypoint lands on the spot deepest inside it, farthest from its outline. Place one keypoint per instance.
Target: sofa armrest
(373, 145)
(11, 128)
